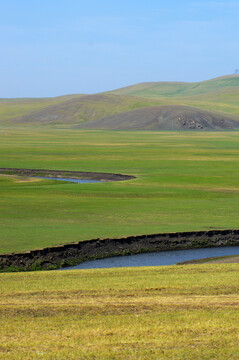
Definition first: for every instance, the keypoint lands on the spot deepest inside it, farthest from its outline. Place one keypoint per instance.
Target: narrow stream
(159, 258)
(78, 181)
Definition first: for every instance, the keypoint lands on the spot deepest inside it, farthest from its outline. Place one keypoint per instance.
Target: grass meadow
(184, 181)
(175, 312)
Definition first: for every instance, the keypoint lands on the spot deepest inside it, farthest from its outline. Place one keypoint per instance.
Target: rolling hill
(84, 108)
(179, 89)
(167, 117)
(16, 108)
(220, 96)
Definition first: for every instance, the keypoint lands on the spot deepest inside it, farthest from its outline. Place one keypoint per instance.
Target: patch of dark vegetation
(199, 243)
(65, 173)
(75, 253)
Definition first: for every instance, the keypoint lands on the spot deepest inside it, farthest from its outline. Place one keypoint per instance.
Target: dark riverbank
(64, 173)
(73, 254)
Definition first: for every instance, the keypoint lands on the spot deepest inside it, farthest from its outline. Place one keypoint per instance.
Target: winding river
(171, 257)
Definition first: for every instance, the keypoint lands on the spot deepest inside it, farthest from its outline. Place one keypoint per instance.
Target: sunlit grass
(184, 182)
(177, 312)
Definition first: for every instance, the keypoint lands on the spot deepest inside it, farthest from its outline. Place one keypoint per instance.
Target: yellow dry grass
(20, 179)
(176, 312)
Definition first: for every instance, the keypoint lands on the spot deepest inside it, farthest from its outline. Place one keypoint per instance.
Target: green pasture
(159, 313)
(184, 181)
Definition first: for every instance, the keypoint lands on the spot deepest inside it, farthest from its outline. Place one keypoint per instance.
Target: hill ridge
(219, 94)
(171, 88)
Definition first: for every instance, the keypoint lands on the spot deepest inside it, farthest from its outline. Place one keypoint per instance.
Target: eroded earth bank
(75, 253)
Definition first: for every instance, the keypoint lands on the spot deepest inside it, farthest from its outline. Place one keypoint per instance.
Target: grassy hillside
(167, 117)
(73, 110)
(176, 312)
(185, 181)
(180, 89)
(226, 101)
(220, 94)
(12, 108)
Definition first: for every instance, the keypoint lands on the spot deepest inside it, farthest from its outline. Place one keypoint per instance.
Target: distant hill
(165, 118)
(220, 95)
(19, 107)
(84, 108)
(179, 89)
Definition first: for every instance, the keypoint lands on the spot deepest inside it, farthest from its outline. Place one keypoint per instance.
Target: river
(157, 258)
(78, 181)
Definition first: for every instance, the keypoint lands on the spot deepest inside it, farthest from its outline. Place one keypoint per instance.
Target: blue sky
(50, 48)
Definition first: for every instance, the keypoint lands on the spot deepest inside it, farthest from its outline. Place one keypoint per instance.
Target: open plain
(184, 181)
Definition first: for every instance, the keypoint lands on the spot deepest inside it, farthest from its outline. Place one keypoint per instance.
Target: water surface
(159, 258)
(78, 181)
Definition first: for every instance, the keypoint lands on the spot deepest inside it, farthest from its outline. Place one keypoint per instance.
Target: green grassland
(175, 312)
(185, 181)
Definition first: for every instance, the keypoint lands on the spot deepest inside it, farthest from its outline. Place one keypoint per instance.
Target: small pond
(157, 258)
(78, 181)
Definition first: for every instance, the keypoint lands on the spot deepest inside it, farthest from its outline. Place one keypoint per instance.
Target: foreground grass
(185, 181)
(176, 312)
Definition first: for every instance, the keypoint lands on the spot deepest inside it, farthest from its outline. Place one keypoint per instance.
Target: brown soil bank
(167, 117)
(69, 174)
(73, 254)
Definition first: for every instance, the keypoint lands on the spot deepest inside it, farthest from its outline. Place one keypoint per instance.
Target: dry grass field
(176, 312)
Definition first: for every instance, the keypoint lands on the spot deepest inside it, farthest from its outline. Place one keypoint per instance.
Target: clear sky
(56, 47)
